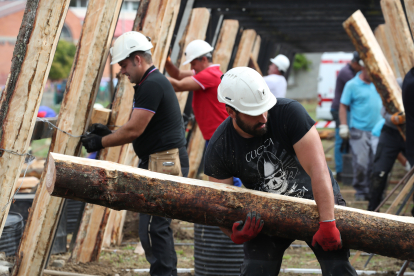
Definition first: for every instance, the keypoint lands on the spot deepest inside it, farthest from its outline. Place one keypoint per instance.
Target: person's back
(277, 85)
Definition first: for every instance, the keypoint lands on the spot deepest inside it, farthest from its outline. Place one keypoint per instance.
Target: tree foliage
(62, 62)
(301, 62)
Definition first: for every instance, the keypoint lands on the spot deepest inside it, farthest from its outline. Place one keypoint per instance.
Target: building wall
(304, 84)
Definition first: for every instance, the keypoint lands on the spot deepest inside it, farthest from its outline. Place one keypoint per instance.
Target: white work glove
(344, 131)
(407, 166)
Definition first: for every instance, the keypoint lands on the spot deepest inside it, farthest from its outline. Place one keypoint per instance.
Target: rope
(53, 126)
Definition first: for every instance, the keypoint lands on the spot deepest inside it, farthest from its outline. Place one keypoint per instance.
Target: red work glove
(328, 236)
(398, 118)
(247, 231)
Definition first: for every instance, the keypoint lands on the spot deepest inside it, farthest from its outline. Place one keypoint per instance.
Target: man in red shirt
(203, 79)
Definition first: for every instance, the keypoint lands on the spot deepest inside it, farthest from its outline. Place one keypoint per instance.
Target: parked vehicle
(329, 68)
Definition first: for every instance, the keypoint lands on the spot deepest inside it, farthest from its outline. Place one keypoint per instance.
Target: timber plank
(83, 82)
(245, 48)
(256, 47)
(379, 69)
(401, 37)
(122, 187)
(225, 43)
(100, 116)
(196, 151)
(20, 100)
(196, 29)
(381, 36)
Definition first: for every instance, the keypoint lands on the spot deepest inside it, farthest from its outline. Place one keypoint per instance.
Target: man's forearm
(171, 69)
(120, 137)
(323, 194)
(343, 114)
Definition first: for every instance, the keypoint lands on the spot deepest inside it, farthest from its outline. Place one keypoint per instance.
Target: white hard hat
(195, 49)
(281, 62)
(127, 43)
(245, 90)
(98, 105)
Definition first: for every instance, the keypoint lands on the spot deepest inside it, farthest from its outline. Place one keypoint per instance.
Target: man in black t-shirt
(157, 132)
(273, 146)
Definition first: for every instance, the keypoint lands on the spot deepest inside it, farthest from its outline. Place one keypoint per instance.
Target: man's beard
(252, 130)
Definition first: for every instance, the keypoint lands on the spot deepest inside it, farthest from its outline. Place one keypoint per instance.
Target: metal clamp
(168, 164)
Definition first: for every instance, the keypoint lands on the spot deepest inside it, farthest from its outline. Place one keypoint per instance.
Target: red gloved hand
(247, 231)
(328, 236)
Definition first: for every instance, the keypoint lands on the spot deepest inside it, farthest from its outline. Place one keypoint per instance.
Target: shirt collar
(147, 73)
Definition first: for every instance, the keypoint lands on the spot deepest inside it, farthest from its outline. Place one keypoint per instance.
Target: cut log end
(50, 177)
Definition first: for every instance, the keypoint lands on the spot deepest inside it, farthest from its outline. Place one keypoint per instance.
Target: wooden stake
(381, 36)
(196, 151)
(83, 82)
(395, 18)
(379, 69)
(196, 29)
(20, 100)
(256, 47)
(253, 64)
(122, 187)
(397, 62)
(245, 48)
(225, 43)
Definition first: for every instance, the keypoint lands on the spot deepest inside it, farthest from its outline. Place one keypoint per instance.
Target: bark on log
(380, 71)
(83, 82)
(395, 18)
(245, 48)
(19, 101)
(122, 187)
(225, 43)
(196, 29)
(381, 36)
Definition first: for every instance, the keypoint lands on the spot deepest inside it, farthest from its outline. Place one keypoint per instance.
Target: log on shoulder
(123, 187)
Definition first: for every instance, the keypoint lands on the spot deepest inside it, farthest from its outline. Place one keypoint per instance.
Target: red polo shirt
(208, 111)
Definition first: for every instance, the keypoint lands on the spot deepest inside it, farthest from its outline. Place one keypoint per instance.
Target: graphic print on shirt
(278, 170)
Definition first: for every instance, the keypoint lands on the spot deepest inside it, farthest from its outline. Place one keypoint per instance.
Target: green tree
(301, 62)
(62, 62)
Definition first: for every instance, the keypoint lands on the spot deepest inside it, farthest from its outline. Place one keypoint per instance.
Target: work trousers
(362, 160)
(390, 144)
(263, 255)
(156, 234)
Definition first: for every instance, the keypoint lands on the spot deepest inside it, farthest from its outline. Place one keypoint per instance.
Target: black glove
(99, 129)
(92, 142)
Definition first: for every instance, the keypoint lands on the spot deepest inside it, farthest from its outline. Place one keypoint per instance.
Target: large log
(20, 100)
(381, 36)
(196, 29)
(379, 69)
(401, 37)
(245, 48)
(122, 187)
(83, 82)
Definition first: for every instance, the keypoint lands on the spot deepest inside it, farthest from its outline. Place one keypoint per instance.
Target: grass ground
(118, 258)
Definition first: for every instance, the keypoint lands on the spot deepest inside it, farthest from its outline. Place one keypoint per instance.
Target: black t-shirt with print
(267, 163)
(166, 128)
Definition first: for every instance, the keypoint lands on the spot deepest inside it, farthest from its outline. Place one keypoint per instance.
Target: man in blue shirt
(364, 103)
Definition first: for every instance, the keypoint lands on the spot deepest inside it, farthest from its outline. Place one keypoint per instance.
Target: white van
(329, 68)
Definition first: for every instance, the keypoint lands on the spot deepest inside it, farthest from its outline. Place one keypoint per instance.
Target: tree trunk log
(245, 48)
(122, 187)
(83, 82)
(19, 101)
(401, 37)
(379, 69)
(196, 29)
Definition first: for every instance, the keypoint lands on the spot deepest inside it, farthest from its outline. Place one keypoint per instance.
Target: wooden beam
(379, 69)
(83, 83)
(245, 48)
(253, 64)
(225, 43)
(125, 188)
(196, 151)
(397, 62)
(381, 36)
(256, 47)
(409, 8)
(20, 100)
(395, 18)
(196, 29)
(100, 116)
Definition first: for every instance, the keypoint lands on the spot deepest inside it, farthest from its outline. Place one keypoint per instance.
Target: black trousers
(263, 255)
(390, 144)
(157, 236)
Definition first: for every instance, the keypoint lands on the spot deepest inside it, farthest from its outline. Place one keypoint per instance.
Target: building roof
(10, 7)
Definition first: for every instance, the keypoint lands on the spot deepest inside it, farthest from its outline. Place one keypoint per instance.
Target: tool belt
(167, 162)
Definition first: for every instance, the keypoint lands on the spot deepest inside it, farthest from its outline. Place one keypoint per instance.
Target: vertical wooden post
(380, 71)
(225, 43)
(196, 151)
(381, 36)
(245, 48)
(19, 101)
(196, 29)
(83, 82)
(397, 61)
(256, 47)
(395, 19)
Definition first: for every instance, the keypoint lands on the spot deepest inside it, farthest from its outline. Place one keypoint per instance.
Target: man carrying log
(157, 133)
(273, 146)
